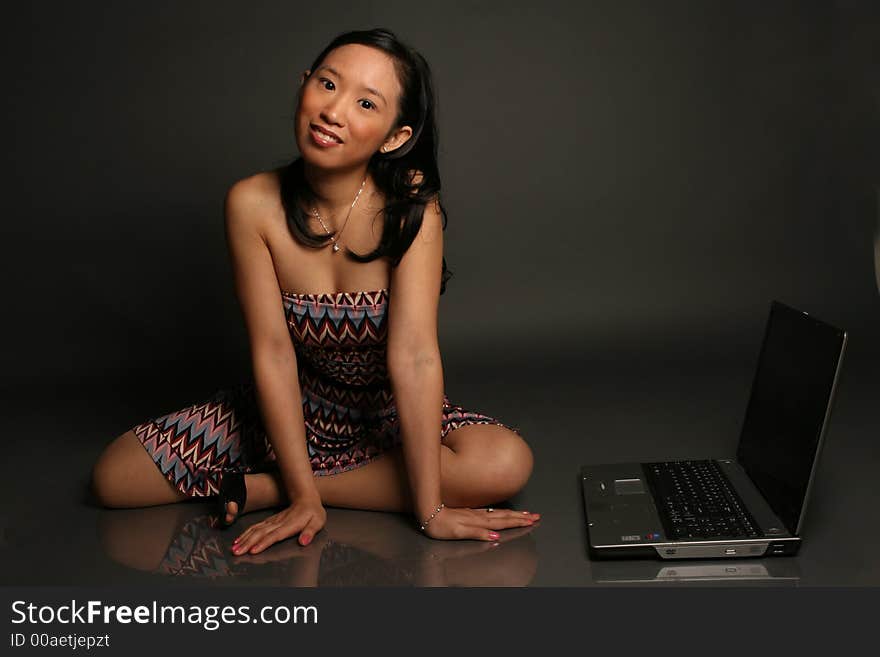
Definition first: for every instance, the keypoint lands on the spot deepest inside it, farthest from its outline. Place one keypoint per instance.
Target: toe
(231, 511)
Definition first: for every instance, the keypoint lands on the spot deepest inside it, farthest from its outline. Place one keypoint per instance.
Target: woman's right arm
(272, 354)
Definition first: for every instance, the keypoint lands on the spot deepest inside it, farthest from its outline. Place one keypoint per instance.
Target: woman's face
(353, 94)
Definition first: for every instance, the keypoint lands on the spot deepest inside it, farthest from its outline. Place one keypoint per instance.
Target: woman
(341, 378)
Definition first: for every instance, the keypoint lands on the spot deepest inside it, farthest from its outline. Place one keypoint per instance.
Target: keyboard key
(695, 500)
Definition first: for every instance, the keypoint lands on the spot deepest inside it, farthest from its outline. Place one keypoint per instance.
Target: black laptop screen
(787, 407)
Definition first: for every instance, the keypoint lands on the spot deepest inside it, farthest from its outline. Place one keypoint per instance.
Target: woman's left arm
(418, 393)
(417, 385)
(414, 364)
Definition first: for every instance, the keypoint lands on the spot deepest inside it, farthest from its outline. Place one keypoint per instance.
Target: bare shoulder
(431, 229)
(415, 281)
(251, 201)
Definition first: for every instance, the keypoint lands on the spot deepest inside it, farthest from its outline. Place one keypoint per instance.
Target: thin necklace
(318, 216)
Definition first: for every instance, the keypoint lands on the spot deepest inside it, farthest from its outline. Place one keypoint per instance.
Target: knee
(500, 460)
(509, 463)
(105, 482)
(101, 482)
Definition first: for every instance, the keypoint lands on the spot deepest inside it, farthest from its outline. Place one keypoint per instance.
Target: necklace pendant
(335, 247)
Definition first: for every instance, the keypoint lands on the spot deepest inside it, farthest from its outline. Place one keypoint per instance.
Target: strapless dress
(350, 418)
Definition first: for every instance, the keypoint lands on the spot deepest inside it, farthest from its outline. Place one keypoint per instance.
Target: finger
(484, 534)
(245, 539)
(277, 533)
(508, 512)
(506, 518)
(241, 537)
(267, 538)
(254, 534)
(504, 522)
(249, 532)
(474, 532)
(308, 533)
(271, 520)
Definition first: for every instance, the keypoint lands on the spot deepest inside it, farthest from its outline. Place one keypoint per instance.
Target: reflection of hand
(510, 561)
(476, 524)
(306, 517)
(451, 550)
(284, 551)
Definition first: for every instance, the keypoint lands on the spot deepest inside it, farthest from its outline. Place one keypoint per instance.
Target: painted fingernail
(525, 513)
(235, 541)
(306, 539)
(494, 535)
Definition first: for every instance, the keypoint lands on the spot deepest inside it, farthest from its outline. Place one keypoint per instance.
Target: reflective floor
(571, 413)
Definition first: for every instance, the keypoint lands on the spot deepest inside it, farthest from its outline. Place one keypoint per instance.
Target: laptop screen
(790, 398)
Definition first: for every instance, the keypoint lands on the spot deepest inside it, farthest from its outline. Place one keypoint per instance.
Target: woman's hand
(477, 524)
(306, 516)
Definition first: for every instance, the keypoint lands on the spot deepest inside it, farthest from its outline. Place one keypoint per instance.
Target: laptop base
(687, 550)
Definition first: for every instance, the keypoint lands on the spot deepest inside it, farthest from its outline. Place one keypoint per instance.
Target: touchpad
(628, 486)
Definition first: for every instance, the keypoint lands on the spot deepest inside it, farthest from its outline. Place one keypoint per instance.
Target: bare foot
(261, 493)
(231, 512)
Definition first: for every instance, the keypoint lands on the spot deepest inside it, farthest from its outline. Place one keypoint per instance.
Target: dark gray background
(616, 174)
(628, 186)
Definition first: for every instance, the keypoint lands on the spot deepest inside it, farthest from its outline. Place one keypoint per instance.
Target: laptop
(749, 506)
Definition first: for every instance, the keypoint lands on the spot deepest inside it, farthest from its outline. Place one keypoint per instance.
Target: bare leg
(480, 464)
(125, 476)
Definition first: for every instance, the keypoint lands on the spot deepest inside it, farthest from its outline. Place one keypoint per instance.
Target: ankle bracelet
(436, 511)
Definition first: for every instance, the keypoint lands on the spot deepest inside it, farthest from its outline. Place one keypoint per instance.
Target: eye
(369, 102)
(323, 80)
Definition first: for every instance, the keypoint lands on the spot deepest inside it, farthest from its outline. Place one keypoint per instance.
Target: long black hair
(392, 172)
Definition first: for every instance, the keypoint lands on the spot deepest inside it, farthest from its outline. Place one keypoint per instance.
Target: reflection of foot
(231, 498)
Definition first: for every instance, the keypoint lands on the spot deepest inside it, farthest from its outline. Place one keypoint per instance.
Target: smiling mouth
(324, 134)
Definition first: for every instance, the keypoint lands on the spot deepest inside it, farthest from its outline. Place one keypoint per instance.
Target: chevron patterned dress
(350, 416)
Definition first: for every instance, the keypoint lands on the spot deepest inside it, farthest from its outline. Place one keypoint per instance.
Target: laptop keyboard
(695, 500)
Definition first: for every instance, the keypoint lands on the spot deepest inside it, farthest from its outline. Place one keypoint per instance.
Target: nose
(331, 112)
